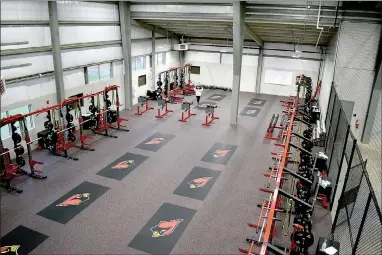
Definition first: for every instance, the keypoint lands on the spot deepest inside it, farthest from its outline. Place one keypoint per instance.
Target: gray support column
(238, 38)
(153, 58)
(259, 70)
(56, 51)
(125, 20)
(181, 57)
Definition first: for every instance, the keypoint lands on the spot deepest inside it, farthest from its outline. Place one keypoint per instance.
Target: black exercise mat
(203, 105)
(123, 166)
(198, 183)
(72, 203)
(250, 111)
(163, 230)
(21, 240)
(155, 142)
(257, 102)
(216, 97)
(219, 153)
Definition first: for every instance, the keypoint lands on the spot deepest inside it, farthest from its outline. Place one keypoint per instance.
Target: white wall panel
(191, 56)
(36, 36)
(138, 32)
(83, 34)
(24, 10)
(296, 66)
(178, 8)
(74, 78)
(220, 49)
(19, 94)
(327, 76)
(40, 63)
(140, 48)
(87, 11)
(163, 45)
(82, 57)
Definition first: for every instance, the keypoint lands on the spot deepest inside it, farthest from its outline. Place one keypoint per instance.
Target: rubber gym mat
(203, 105)
(216, 97)
(163, 230)
(72, 203)
(123, 166)
(250, 111)
(219, 153)
(257, 102)
(198, 183)
(155, 142)
(21, 240)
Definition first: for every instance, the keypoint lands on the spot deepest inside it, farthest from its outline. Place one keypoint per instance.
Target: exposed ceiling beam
(158, 30)
(253, 35)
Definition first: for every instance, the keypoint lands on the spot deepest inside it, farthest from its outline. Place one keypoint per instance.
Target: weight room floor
(110, 223)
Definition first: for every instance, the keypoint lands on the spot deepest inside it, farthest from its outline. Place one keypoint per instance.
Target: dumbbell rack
(270, 206)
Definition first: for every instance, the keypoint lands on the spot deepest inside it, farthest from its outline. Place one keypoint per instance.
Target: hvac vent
(2, 86)
(181, 47)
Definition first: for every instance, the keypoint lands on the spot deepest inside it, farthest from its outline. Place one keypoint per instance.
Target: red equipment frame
(147, 108)
(166, 111)
(208, 122)
(118, 104)
(189, 114)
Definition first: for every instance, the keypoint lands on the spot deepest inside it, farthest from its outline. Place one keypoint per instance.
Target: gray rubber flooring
(111, 222)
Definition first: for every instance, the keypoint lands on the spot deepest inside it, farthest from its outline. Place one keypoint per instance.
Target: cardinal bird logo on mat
(220, 153)
(124, 164)
(256, 102)
(199, 182)
(156, 141)
(12, 249)
(215, 97)
(75, 199)
(165, 228)
(251, 111)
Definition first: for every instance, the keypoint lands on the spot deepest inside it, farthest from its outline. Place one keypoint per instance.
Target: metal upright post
(153, 58)
(238, 38)
(125, 21)
(259, 70)
(56, 51)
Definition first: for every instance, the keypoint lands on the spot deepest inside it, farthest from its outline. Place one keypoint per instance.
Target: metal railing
(357, 223)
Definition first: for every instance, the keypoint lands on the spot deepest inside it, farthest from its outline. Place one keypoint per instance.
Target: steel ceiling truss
(264, 22)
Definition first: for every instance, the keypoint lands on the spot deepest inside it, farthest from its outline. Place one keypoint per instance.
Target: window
(160, 59)
(138, 63)
(141, 80)
(195, 69)
(98, 72)
(6, 130)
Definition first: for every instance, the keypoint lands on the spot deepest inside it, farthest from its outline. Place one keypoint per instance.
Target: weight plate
(69, 117)
(19, 150)
(16, 137)
(20, 161)
(71, 137)
(48, 125)
(108, 103)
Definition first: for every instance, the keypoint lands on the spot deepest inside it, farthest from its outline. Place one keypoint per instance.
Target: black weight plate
(71, 126)
(16, 137)
(108, 103)
(48, 125)
(71, 137)
(69, 117)
(20, 161)
(19, 150)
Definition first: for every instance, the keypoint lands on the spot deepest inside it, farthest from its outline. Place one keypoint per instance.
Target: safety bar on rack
(275, 249)
(302, 137)
(295, 199)
(301, 149)
(303, 121)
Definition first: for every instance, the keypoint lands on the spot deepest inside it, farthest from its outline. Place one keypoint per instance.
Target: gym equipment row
(60, 133)
(175, 86)
(296, 188)
(163, 110)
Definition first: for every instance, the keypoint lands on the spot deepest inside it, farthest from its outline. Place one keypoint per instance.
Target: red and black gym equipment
(143, 102)
(210, 115)
(114, 115)
(162, 104)
(186, 107)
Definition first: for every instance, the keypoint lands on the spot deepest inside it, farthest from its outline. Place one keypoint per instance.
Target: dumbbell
(303, 239)
(298, 251)
(303, 220)
(306, 160)
(307, 145)
(308, 133)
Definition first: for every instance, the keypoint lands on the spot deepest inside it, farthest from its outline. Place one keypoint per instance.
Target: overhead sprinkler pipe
(318, 22)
